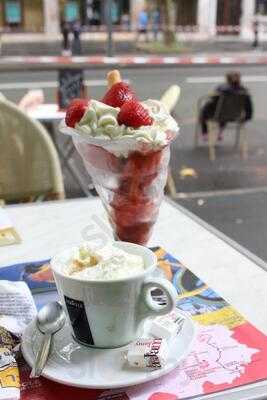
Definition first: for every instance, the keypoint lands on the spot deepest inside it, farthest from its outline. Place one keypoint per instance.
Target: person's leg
(204, 127)
(206, 114)
(220, 134)
(203, 119)
(65, 42)
(146, 35)
(203, 123)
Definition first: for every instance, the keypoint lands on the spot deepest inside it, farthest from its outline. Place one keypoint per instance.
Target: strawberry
(133, 114)
(75, 111)
(118, 94)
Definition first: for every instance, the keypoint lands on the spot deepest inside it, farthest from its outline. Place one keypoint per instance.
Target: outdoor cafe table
(47, 112)
(239, 276)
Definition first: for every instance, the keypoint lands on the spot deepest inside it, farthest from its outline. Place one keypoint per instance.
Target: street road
(229, 193)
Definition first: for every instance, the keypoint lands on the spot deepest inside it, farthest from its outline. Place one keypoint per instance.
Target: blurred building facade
(46, 15)
(224, 17)
(206, 17)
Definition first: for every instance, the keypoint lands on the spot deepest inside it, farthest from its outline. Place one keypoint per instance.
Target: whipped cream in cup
(107, 310)
(107, 264)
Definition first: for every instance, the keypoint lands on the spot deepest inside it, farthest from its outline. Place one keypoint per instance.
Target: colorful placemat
(228, 351)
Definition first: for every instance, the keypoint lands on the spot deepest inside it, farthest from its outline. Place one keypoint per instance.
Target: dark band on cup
(79, 321)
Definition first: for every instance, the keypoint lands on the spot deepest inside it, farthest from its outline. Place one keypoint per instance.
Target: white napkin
(17, 308)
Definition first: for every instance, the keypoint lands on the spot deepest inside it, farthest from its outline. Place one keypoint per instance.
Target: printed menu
(228, 350)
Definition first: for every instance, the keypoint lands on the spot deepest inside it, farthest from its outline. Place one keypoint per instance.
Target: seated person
(232, 85)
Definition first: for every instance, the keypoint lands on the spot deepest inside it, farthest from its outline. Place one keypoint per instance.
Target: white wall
(51, 16)
(246, 23)
(207, 17)
(135, 7)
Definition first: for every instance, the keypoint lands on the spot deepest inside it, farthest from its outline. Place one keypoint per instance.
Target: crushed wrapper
(148, 353)
(9, 373)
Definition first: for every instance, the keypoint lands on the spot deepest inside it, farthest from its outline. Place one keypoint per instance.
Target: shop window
(13, 13)
(95, 11)
(228, 16)
(71, 11)
(115, 12)
(261, 7)
(186, 13)
(125, 6)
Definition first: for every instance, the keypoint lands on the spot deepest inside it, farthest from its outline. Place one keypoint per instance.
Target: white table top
(46, 112)
(47, 228)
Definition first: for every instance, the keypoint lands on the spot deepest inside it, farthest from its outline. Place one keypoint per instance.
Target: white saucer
(76, 365)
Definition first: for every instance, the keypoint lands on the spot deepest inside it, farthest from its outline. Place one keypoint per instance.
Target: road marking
(199, 60)
(221, 79)
(139, 60)
(48, 84)
(218, 193)
(169, 60)
(111, 60)
(226, 60)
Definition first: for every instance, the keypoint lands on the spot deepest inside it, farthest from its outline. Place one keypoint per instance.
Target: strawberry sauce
(131, 188)
(134, 205)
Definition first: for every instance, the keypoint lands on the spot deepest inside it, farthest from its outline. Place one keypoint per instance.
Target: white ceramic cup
(110, 313)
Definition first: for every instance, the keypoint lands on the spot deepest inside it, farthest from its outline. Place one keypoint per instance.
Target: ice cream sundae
(124, 144)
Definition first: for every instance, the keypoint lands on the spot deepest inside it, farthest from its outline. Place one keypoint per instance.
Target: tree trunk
(167, 7)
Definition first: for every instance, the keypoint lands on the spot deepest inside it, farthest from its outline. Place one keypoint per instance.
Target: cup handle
(148, 306)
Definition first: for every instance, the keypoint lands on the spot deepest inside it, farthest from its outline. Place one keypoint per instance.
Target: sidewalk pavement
(37, 44)
(229, 193)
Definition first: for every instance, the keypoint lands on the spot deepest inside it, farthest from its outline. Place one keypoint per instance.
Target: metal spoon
(50, 319)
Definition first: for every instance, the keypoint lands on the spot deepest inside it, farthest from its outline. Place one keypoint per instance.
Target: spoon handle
(42, 356)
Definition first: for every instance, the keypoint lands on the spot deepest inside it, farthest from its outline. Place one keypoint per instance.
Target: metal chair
(170, 98)
(29, 163)
(229, 112)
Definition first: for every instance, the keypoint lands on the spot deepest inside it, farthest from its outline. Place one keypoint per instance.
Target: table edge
(238, 247)
(48, 202)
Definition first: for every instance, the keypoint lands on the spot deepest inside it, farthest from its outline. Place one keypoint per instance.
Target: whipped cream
(107, 263)
(100, 121)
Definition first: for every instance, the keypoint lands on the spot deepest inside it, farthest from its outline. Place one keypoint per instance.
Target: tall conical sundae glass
(126, 150)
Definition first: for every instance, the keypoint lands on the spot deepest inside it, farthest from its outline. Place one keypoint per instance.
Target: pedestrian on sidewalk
(76, 43)
(115, 15)
(256, 23)
(126, 22)
(143, 25)
(155, 20)
(65, 30)
(233, 85)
